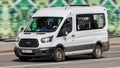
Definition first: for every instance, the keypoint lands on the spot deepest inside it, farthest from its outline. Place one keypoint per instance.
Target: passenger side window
(90, 21)
(83, 22)
(66, 28)
(99, 21)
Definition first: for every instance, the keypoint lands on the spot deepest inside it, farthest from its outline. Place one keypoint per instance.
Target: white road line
(104, 59)
(59, 63)
(114, 67)
(23, 66)
(112, 52)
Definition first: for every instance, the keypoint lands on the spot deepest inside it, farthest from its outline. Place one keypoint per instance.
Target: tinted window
(89, 21)
(66, 26)
(99, 21)
(83, 22)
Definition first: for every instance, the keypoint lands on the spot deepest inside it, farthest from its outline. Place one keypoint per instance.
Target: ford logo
(28, 42)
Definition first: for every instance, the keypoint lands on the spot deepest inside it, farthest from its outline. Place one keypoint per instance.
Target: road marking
(114, 67)
(104, 59)
(59, 63)
(112, 52)
(23, 66)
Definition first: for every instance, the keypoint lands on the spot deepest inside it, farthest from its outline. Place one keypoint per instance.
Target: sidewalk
(9, 46)
(114, 41)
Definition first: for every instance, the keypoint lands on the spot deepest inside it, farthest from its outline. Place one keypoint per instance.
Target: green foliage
(16, 13)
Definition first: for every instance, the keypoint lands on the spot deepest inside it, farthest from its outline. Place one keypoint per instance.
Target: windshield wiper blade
(27, 33)
(40, 32)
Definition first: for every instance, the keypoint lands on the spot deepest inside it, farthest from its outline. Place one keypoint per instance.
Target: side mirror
(64, 32)
(22, 28)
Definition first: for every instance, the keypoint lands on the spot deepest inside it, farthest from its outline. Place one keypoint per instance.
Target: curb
(6, 51)
(112, 44)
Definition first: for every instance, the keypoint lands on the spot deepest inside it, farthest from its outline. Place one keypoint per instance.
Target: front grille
(28, 43)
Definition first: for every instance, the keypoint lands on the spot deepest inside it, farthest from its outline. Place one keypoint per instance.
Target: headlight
(47, 39)
(17, 39)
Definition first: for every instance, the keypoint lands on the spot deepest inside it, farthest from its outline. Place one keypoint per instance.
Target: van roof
(64, 11)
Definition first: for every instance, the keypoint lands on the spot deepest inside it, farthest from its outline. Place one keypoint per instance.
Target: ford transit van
(57, 32)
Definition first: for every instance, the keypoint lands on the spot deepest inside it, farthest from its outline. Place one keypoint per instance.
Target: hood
(34, 35)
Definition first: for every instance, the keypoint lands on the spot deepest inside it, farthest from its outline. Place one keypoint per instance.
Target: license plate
(26, 51)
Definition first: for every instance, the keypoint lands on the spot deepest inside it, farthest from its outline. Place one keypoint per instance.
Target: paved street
(110, 59)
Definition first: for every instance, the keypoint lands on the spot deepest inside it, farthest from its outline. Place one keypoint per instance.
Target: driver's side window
(66, 28)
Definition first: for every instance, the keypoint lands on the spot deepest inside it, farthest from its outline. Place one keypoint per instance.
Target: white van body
(79, 30)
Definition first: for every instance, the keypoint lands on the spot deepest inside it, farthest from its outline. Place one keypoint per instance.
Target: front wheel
(59, 55)
(97, 52)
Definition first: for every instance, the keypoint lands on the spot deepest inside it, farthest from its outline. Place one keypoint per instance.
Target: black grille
(28, 43)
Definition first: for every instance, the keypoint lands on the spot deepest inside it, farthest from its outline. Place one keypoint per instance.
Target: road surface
(110, 59)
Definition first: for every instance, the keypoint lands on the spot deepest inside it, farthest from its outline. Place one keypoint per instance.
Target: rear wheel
(59, 55)
(97, 52)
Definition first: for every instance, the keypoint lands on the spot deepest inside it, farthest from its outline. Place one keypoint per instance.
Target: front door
(66, 33)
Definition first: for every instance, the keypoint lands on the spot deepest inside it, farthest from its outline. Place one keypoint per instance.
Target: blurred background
(14, 14)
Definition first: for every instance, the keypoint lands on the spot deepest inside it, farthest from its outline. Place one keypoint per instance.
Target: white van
(63, 31)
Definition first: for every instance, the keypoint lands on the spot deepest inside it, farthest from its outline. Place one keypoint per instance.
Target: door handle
(73, 35)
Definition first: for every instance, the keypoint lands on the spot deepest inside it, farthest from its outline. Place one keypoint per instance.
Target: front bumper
(40, 52)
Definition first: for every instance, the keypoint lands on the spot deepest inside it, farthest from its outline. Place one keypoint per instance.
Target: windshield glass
(43, 24)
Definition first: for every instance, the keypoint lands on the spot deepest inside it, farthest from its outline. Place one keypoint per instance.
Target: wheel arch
(60, 46)
(99, 43)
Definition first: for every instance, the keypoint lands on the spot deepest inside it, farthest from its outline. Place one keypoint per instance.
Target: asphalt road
(110, 59)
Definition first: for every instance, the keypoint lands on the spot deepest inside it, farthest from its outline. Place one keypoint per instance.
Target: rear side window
(89, 21)
(99, 20)
(83, 22)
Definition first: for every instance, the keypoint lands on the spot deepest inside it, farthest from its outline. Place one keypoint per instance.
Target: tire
(97, 52)
(59, 55)
(23, 58)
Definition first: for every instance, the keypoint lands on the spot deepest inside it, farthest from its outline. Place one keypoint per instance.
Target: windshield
(43, 24)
